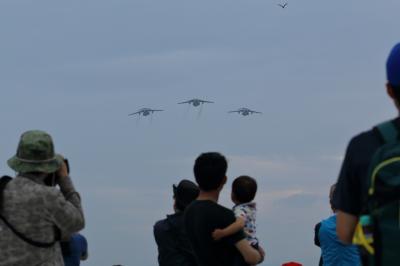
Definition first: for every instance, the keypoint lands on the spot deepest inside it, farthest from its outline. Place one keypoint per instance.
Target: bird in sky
(283, 5)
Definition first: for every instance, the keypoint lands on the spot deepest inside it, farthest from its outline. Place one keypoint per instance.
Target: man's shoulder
(79, 238)
(331, 220)
(207, 206)
(161, 226)
(172, 221)
(328, 226)
(364, 138)
(29, 190)
(363, 145)
(208, 212)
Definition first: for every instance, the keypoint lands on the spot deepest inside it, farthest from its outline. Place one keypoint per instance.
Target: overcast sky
(78, 68)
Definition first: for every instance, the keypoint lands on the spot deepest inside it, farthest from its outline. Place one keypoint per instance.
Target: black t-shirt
(351, 190)
(202, 217)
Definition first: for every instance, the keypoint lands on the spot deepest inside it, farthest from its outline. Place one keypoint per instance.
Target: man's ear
(223, 183)
(390, 91)
(392, 95)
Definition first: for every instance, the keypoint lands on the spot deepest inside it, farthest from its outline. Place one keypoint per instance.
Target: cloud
(300, 200)
(265, 165)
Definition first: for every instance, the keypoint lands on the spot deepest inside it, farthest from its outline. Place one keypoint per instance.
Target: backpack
(378, 232)
(3, 183)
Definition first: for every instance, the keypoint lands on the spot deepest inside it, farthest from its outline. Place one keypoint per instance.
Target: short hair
(210, 170)
(244, 189)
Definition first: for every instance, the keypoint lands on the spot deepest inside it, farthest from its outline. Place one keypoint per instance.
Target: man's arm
(65, 209)
(347, 198)
(250, 254)
(229, 230)
(316, 235)
(345, 226)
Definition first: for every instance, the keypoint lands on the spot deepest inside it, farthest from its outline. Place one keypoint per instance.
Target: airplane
(196, 102)
(145, 112)
(245, 111)
(283, 6)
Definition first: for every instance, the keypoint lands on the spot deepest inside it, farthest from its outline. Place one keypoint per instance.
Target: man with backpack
(368, 189)
(34, 213)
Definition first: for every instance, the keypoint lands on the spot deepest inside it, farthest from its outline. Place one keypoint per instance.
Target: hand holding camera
(64, 169)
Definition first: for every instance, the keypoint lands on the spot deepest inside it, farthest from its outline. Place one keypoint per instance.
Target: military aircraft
(146, 111)
(245, 111)
(196, 102)
(283, 6)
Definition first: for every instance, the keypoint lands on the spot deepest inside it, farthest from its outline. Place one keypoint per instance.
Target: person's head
(244, 189)
(393, 74)
(184, 193)
(35, 155)
(331, 194)
(210, 171)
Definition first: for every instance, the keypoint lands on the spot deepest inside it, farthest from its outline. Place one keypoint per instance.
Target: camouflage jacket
(34, 210)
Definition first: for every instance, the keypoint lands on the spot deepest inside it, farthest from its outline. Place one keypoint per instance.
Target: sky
(77, 69)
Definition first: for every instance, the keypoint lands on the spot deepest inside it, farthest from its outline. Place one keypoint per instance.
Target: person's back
(28, 207)
(34, 215)
(202, 217)
(75, 250)
(170, 235)
(333, 251)
(173, 246)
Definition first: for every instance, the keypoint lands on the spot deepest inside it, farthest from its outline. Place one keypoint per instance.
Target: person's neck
(209, 195)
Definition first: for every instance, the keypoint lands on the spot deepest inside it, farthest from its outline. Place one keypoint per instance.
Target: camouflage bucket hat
(35, 153)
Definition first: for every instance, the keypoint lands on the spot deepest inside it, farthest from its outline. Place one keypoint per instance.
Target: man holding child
(205, 215)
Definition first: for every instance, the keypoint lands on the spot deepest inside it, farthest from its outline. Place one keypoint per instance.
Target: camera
(51, 179)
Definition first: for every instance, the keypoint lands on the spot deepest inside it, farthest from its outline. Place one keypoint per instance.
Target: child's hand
(218, 234)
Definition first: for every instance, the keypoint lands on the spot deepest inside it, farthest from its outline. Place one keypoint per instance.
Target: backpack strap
(388, 132)
(3, 183)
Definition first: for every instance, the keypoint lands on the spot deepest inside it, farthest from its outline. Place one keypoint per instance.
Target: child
(244, 190)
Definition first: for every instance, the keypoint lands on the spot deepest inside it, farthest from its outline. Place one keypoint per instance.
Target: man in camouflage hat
(35, 214)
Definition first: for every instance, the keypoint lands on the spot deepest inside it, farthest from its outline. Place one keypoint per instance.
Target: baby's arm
(229, 230)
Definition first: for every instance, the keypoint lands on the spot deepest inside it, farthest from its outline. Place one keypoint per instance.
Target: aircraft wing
(237, 111)
(256, 112)
(206, 101)
(136, 113)
(157, 110)
(185, 102)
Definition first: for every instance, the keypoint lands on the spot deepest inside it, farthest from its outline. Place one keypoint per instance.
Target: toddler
(244, 190)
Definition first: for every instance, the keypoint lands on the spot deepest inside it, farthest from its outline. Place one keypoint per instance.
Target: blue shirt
(78, 248)
(334, 253)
